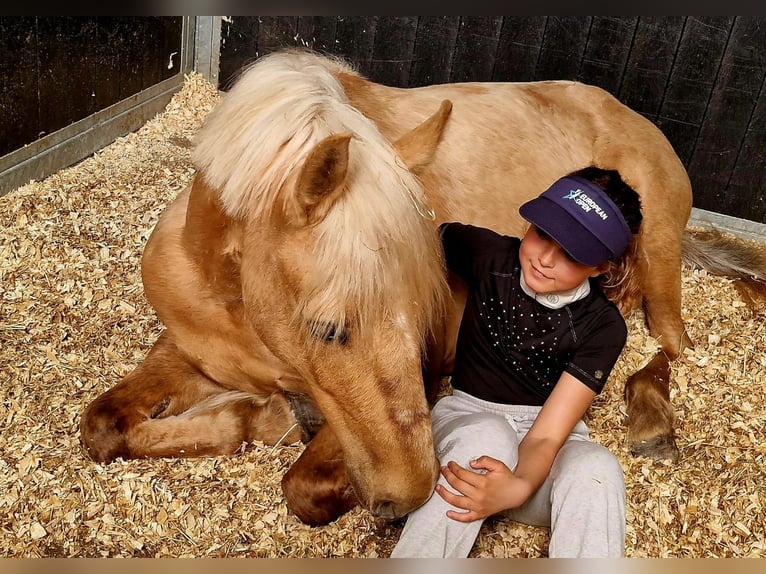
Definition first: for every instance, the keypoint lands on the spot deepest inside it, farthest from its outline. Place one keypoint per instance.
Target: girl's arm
(482, 495)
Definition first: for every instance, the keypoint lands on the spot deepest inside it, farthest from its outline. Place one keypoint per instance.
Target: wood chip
(73, 320)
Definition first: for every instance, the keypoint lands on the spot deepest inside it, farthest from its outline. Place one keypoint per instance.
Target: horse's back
(506, 142)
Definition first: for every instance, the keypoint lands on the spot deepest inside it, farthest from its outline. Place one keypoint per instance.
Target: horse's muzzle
(388, 510)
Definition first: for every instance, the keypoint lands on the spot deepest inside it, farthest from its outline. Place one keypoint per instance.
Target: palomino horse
(301, 282)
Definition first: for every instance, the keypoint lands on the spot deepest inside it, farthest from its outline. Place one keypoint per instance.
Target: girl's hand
(482, 494)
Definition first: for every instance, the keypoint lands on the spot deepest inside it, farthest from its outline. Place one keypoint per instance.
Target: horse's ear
(321, 179)
(417, 147)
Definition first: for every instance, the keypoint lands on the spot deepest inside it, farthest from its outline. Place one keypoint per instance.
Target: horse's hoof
(658, 448)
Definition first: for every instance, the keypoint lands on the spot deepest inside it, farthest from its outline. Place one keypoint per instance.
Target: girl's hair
(620, 280)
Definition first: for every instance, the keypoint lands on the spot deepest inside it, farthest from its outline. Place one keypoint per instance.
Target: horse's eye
(328, 332)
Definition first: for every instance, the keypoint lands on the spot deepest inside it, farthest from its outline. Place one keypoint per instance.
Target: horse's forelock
(262, 129)
(376, 253)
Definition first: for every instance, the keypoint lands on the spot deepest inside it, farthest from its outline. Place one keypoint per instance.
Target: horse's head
(341, 266)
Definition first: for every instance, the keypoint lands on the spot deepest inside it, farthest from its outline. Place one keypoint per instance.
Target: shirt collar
(559, 299)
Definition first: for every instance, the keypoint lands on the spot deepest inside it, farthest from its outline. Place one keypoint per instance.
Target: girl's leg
(459, 435)
(582, 501)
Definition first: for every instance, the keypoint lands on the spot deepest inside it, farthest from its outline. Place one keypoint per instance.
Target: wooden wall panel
(162, 49)
(694, 72)
(518, 49)
(19, 110)
(317, 33)
(132, 57)
(477, 42)
(393, 50)
(606, 53)
(563, 47)
(650, 62)
(728, 114)
(747, 186)
(57, 70)
(66, 67)
(276, 32)
(355, 38)
(434, 50)
(239, 47)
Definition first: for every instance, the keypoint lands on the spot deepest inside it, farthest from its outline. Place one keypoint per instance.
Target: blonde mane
(375, 255)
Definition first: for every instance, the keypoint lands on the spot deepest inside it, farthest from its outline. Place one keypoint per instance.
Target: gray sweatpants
(582, 501)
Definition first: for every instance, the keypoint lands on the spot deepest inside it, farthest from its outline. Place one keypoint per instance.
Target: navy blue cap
(581, 218)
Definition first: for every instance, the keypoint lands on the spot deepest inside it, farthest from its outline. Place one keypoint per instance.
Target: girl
(537, 342)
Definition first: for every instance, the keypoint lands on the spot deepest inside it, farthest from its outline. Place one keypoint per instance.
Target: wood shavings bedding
(73, 321)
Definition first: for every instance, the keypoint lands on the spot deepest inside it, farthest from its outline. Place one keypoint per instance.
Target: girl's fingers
(488, 463)
(461, 516)
(468, 477)
(452, 498)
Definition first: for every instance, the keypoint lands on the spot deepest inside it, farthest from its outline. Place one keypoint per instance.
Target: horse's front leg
(167, 407)
(316, 488)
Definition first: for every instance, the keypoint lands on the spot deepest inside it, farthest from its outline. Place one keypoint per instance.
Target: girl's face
(547, 267)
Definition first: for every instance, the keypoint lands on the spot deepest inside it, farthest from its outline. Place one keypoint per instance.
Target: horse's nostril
(386, 509)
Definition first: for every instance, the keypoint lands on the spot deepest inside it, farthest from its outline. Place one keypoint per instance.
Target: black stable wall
(56, 70)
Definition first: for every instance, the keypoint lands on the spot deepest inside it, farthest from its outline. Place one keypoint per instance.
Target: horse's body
(303, 262)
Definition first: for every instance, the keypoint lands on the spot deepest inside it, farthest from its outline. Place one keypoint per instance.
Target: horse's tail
(727, 256)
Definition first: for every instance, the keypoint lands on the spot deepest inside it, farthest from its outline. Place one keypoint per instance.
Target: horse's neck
(211, 239)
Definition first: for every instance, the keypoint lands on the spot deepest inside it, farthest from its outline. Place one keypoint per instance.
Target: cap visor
(573, 237)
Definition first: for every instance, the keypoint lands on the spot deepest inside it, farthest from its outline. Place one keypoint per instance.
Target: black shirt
(510, 348)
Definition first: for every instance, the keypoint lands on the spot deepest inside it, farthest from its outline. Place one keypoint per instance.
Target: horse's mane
(276, 111)
(374, 253)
